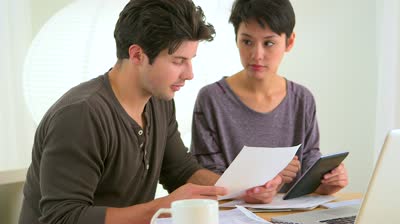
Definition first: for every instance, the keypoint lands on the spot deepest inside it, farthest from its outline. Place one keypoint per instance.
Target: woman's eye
(269, 43)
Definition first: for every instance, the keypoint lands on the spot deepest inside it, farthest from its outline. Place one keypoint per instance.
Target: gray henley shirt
(89, 154)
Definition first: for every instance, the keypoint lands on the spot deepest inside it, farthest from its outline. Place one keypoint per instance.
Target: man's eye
(178, 62)
(247, 42)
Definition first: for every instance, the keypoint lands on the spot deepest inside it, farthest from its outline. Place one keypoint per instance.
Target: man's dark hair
(277, 14)
(156, 25)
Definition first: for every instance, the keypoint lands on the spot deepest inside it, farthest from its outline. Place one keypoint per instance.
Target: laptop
(380, 204)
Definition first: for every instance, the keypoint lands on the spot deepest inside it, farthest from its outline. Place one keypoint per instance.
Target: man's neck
(125, 84)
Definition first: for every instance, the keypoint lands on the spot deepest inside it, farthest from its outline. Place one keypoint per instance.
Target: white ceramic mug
(191, 211)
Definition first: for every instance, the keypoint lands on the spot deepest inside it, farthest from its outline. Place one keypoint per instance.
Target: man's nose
(188, 73)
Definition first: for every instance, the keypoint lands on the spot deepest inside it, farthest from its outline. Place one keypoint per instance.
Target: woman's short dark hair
(277, 14)
(156, 25)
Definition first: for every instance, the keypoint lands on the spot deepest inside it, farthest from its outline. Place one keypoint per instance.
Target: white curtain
(17, 127)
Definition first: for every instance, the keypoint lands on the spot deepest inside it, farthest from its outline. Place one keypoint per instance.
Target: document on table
(239, 215)
(342, 203)
(305, 202)
(254, 166)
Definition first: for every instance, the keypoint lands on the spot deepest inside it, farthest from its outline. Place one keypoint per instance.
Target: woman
(257, 106)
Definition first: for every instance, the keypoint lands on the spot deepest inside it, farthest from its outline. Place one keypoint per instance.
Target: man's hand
(334, 181)
(290, 171)
(263, 194)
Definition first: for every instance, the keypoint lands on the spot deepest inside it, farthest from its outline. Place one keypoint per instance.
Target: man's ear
(290, 41)
(136, 54)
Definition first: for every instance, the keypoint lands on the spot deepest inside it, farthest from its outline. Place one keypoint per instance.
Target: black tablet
(311, 179)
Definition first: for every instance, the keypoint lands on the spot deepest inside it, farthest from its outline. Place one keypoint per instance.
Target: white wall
(388, 50)
(346, 53)
(335, 57)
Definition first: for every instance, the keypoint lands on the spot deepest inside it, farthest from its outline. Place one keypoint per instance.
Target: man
(102, 147)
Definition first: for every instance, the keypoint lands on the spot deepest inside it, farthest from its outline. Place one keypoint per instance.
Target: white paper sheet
(254, 166)
(304, 202)
(240, 215)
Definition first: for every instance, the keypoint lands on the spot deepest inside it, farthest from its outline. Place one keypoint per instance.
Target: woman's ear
(290, 41)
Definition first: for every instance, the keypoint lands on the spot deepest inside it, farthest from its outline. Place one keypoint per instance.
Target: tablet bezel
(311, 179)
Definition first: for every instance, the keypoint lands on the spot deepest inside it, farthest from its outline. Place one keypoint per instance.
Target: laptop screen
(382, 199)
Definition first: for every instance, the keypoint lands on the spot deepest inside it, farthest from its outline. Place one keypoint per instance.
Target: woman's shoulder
(214, 89)
(299, 91)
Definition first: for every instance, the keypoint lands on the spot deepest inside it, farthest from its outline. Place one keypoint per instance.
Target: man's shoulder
(85, 95)
(86, 91)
